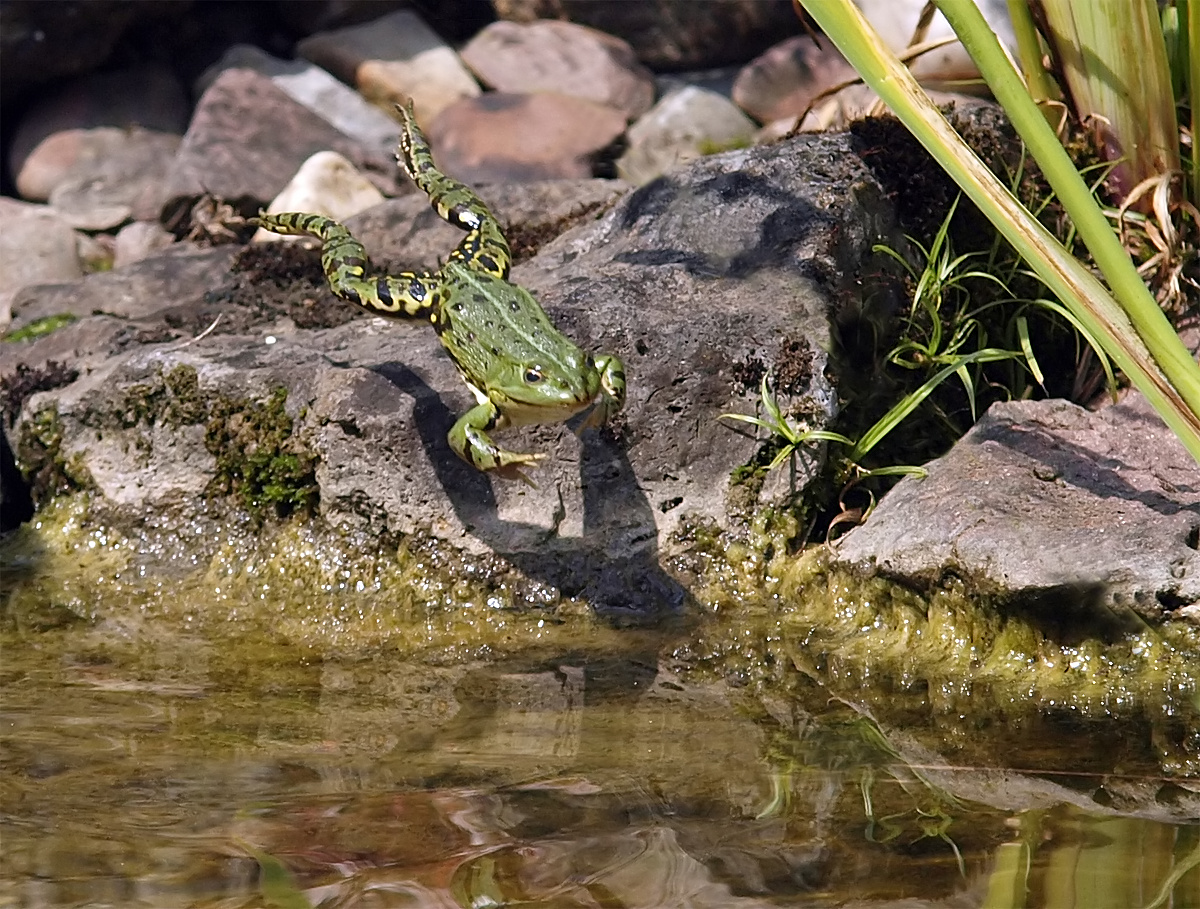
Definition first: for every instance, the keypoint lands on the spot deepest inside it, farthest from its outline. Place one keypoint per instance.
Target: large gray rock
(1052, 504)
(698, 306)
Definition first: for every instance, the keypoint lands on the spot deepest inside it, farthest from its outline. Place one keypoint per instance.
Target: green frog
(520, 368)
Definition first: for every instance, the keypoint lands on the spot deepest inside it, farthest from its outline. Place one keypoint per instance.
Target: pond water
(237, 772)
(239, 730)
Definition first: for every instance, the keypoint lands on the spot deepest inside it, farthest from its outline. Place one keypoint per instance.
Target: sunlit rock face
(1063, 509)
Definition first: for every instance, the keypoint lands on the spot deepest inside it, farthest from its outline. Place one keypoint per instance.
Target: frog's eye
(533, 375)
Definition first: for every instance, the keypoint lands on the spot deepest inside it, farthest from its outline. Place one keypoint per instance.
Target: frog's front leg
(612, 392)
(470, 441)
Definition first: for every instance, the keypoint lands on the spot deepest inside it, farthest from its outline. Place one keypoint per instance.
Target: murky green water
(178, 750)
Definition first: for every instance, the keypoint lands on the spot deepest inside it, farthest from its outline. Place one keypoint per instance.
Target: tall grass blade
(911, 401)
(1027, 349)
(1135, 333)
(1114, 61)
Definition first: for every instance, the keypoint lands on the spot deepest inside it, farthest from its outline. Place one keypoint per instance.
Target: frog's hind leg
(484, 247)
(407, 295)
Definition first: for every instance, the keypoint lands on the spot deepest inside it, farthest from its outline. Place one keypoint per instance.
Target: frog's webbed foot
(514, 472)
(470, 441)
(612, 393)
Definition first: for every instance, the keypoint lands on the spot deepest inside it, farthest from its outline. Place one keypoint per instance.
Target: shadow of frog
(614, 565)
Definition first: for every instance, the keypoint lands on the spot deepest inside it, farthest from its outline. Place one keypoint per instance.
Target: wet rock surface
(1054, 504)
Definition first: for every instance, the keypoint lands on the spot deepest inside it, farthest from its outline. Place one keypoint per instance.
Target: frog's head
(547, 389)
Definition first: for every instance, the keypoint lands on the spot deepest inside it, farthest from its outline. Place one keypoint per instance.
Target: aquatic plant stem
(1076, 197)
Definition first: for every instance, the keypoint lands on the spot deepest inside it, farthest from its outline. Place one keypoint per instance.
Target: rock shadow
(1093, 472)
(628, 589)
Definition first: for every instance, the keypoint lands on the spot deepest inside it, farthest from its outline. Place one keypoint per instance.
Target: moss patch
(40, 458)
(318, 588)
(259, 459)
(173, 398)
(39, 328)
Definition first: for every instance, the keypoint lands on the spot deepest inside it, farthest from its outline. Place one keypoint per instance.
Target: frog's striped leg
(469, 439)
(484, 247)
(407, 295)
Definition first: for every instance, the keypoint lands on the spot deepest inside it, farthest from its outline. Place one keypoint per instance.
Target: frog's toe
(510, 463)
(514, 472)
(597, 417)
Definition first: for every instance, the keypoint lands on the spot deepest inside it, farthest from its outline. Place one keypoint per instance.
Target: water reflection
(197, 773)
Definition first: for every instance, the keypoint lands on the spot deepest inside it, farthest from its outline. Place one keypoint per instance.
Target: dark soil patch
(525, 239)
